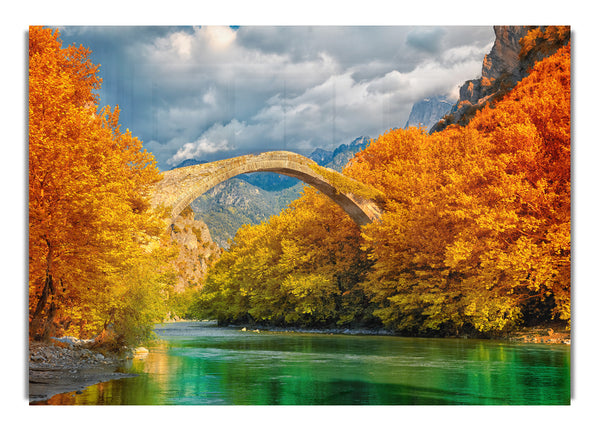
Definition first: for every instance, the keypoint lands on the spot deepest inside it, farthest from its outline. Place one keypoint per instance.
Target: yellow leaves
(559, 238)
(293, 255)
(312, 294)
(482, 211)
(291, 269)
(492, 313)
(538, 40)
(87, 180)
(458, 252)
(476, 228)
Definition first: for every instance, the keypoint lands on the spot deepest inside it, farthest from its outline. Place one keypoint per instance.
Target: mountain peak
(515, 51)
(428, 112)
(321, 156)
(339, 157)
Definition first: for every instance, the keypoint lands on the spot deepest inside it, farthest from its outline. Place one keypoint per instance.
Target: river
(197, 363)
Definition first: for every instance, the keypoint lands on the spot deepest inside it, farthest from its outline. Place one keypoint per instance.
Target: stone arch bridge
(180, 187)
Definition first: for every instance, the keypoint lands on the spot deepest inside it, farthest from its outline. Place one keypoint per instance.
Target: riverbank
(200, 363)
(316, 331)
(68, 366)
(541, 335)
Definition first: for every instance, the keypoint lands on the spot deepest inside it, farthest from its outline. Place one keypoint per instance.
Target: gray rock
(428, 112)
(502, 69)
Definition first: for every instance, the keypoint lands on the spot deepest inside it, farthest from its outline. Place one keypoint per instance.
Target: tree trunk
(36, 326)
(48, 326)
(37, 317)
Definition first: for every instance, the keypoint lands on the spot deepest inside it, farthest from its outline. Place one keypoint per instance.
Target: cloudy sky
(214, 92)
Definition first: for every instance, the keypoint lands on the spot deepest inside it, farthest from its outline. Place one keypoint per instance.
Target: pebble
(140, 353)
(50, 356)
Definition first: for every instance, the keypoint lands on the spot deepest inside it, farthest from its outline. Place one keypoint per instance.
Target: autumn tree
(476, 229)
(299, 268)
(528, 226)
(475, 236)
(89, 216)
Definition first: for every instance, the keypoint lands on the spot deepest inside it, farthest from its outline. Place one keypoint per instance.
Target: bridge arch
(180, 187)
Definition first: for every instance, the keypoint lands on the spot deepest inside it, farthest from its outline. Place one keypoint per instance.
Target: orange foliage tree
(88, 210)
(476, 232)
(475, 237)
(298, 268)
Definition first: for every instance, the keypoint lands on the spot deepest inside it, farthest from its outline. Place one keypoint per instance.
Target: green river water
(197, 363)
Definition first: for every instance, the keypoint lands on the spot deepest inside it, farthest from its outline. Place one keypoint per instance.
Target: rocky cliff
(197, 251)
(515, 51)
(428, 112)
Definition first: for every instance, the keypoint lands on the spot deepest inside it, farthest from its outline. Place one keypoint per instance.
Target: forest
(96, 264)
(474, 239)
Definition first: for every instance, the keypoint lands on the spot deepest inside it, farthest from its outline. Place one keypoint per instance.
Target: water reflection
(199, 364)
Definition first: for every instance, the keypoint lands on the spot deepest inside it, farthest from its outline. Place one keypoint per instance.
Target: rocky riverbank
(542, 336)
(69, 365)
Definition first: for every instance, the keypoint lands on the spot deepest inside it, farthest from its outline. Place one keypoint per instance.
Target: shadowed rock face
(179, 187)
(427, 112)
(502, 69)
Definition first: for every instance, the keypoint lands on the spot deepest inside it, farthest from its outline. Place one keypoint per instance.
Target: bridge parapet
(180, 187)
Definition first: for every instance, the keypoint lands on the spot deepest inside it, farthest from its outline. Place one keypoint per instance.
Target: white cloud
(212, 92)
(465, 53)
(330, 112)
(217, 37)
(182, 43)
(197, 150)
(210, 97)
(393, 81)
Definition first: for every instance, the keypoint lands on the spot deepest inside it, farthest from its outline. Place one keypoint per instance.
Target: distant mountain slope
(428, 112)
(190, 162)
(342, 154)
(253, 198)
(230, 205)
(269, 181)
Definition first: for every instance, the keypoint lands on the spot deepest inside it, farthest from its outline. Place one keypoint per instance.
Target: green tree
(299, 268)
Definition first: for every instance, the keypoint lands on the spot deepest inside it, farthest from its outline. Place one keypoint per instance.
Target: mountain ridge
(516, 49)
(427, 112)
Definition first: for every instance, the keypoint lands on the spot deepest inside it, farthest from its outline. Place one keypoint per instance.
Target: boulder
(140, 352)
